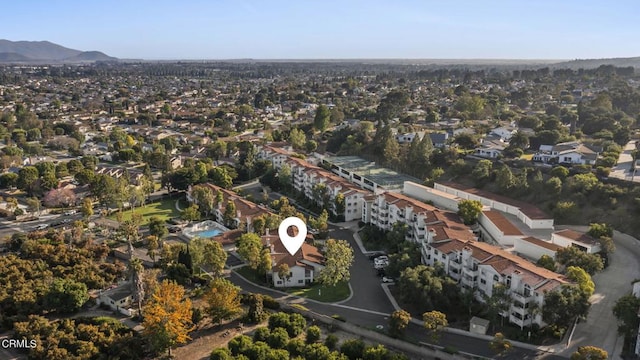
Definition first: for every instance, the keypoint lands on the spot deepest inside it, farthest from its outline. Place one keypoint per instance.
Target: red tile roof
(502, 223)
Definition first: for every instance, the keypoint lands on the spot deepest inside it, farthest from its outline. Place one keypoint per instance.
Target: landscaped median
(317, 292)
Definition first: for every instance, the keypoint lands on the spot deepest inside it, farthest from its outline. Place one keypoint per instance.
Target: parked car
(174, 229)
(380, 266)
(70, 212)
(386, 279)
(41, 226)
(376, 254)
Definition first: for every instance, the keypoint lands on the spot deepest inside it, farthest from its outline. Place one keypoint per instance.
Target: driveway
(366, 285)
(622, 170)
(601, 327)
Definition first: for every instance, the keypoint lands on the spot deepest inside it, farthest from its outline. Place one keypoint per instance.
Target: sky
(331, 29)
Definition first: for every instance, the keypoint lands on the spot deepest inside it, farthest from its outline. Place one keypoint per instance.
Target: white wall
(297, 274)
(495, 233)
(425, 193)
(532, 251)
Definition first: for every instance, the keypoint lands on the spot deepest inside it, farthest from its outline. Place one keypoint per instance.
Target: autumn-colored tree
(60, 197)
(167, 317)
(434, 321)
(87, 208)
(590, 353)
(223, 300)
(499, 344)
(398, 322)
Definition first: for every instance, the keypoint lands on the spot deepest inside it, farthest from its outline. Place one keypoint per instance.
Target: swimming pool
(208, 233)
(206, 229)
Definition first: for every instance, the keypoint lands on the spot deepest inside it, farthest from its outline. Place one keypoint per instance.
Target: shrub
(261, 334)
(221, 354)
(278, 338)
(339, 318)
(270, 303)
(313, 334)
(331, 342)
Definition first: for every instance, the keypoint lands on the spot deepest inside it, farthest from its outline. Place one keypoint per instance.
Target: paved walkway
(178, 205)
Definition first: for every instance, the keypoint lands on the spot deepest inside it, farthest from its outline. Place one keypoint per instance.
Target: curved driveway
(601, 327)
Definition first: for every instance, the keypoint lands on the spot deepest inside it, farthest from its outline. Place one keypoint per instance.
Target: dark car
(174, 229)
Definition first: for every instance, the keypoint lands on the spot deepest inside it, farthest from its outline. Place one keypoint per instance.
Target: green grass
(327, 293)
(164, 209)
(251, 275)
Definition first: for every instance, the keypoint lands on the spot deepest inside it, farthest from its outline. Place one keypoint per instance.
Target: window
(300, 281)
(509, 281)
(444, 256)
(496, 278)
(483, 281)
(527, 290)
(279, 282)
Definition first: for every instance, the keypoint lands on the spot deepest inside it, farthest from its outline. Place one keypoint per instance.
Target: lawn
(326, 293)
(526, 157)
(164, 209)
(251, 275)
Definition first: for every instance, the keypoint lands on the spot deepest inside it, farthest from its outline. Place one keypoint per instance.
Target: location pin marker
(292, 243)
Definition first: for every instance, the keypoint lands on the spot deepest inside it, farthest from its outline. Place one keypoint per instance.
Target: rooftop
(502, 223)
(378, 174)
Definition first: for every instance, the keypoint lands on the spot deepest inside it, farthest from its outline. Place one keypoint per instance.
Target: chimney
(238, 214)
(266, 231)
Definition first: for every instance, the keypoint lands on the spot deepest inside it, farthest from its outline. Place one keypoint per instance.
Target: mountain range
(45, 51)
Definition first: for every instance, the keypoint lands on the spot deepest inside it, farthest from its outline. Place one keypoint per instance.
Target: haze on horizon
(331, 29)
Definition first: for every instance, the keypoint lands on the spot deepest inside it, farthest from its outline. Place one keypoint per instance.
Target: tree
(434, 321)
(322, 118)
(191, 213)
(219, 176)
(466, 141)
(157, 227)
(469, 211)
(297, 138)
(482, 172)
(572, 256)
(59, 198)
(626, 311)
(590, 353)
(519, 140)
(547, 262)
(284, 272)
(86, 208)
(560, 172)
(229, 215)
(499, 344)
(66, 295)
(167, 317)
(33, 204)
(338, 260)
(266, 263)
(598, 230)
(498, 302)
(213, 256)
(250, 248)
(256, 311)
(27, 178)
(505, 179)
(562, 306)
(580, 277)
(223, 300)
(353, 348)
(398, 322)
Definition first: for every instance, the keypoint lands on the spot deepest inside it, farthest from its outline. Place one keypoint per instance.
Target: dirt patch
(206, 339)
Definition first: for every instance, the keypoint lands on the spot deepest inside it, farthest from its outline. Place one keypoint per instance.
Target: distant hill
(11, 56)
(45, 51)
(595, 63)
(91, 56)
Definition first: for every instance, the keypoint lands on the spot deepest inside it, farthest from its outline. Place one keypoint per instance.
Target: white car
(41, 226)
(386, 279)
(70, 212)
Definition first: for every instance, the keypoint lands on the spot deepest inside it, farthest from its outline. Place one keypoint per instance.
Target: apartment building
(245, 210)
(477, 266)
(318, 184)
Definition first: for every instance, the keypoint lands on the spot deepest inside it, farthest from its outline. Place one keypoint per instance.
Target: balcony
(520, 297)
(470, 272)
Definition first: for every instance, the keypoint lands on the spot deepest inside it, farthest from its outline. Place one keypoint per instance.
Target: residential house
(491, 147)
(580, 240)
(439, 140)
(572, 152)
(504, 133)
(304, 265)
(118, 298)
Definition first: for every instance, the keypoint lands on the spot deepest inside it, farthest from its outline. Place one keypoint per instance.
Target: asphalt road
(600, 328)
(622, 169)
